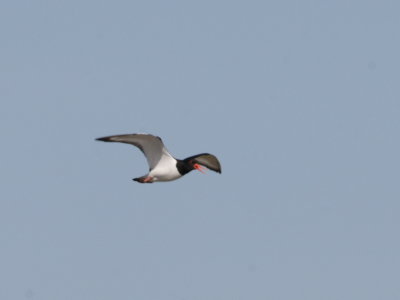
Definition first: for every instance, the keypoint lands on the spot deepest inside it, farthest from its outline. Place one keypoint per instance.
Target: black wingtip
(219, 171)
(103, 139)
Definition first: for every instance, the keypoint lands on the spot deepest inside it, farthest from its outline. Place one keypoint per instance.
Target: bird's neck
(183, 166)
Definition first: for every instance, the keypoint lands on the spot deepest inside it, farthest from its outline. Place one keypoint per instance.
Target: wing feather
(151, 146)
(207, 160)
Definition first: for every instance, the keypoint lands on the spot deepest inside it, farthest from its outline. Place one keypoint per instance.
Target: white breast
(165, 170)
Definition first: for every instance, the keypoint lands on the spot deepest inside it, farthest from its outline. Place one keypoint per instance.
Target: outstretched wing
(207, 160)
(151, 146)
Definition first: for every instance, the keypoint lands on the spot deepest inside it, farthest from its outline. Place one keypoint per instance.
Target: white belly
(165, 170)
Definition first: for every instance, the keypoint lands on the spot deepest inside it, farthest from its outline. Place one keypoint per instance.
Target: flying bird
(162, 165)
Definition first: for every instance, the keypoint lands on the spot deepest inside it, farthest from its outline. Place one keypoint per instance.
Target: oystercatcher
(162, 165)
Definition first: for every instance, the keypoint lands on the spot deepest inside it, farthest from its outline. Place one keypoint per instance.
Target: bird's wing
(207, 160)
(151, 146)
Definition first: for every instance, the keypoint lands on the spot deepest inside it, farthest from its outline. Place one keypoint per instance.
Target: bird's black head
(198, 162)
(184, 166)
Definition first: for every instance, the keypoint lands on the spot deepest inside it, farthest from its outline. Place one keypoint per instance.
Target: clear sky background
(300, 100)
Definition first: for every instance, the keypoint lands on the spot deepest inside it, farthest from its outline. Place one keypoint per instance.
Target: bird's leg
(144, 179)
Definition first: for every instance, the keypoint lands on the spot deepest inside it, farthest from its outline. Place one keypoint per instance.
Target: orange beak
(199, 168)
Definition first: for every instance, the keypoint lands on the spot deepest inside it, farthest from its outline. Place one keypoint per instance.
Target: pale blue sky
(300, 100)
